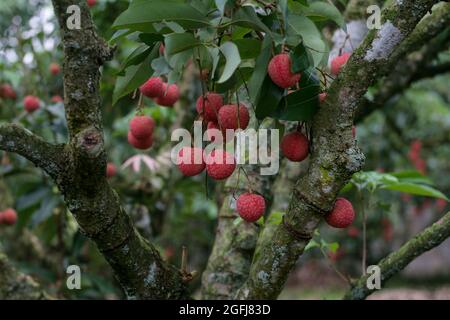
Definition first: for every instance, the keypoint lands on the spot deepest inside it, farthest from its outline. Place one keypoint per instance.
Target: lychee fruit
(142, 126)
(209, 107)
(295, 146)
(353, 232)
(280, 71)
(6, 91)
(54, 68)
(141, 144)
(190, 161)
(230, 118)
(56, 99)
(342, 214)
(250, 206)
(111, 170)
(8, 217)
(152, 88)
(170, 95)
(338, 62)
(322, 97)
(220, 164)
(31, 103)
(209, 131)
(91, 3)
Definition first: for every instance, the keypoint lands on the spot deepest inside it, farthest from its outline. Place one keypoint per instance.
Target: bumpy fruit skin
(31, 103)
(191, 166)
(170, 95)
(280, 71)
(91, 3)
(54, 68)
(6, 91)
(141, 144)
(154, 87)
(56, 99)
(229, 119)
(338, 62)
(295, 146)
(250, 206)
(8, 217)
(111, 170)
(142, 126)
(342, 214)
(220, 164)
(209, 107)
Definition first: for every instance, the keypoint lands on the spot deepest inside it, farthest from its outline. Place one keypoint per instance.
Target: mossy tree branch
(15, 285)
(79, 167)
(428, 239)
(335, 156)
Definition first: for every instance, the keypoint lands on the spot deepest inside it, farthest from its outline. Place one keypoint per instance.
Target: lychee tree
(262, 64)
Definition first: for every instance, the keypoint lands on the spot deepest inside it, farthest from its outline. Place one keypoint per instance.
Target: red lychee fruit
(54, 68)
(31, 103)
(251, 206)
(229, 118)
(295, 146)
(342, 214)
(211, 126)
(170, 95)
(111, 170)
(91, 3)
(193, 164)
(56, 99)
(322, 97)
(142, 126)
(220, 164)
(7, 92)
(209, 107)
(8, 217)
(353, 232)
(280, 71)
(154, 87)
(338, 62)
(141, 144)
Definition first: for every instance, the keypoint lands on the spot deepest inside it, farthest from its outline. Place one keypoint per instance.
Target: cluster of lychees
(8, 217)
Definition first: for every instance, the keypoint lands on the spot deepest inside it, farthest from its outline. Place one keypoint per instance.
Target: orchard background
(84, 182)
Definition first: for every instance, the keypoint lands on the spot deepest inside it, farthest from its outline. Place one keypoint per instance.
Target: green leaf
(119, 34)
(322, 11)
(178, 42)
(312, 38)
(301, 59)
(141, 15)
(333, 247)
(247, 17)
(416, 189)
(413, 177)
(136, 57)
(269, 99)
(134, 76)
(45, 211)
(233, 60)
(150, 38)
(260, 71)
(275, 218)
(248, 48)
(303, 104)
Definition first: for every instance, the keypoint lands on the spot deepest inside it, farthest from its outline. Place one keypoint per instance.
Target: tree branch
(95, 205)
(335, 156)
(395, 262)
(15, 285)
(49, 157)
